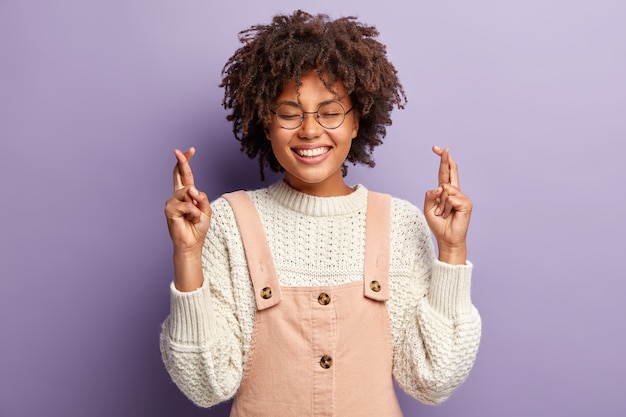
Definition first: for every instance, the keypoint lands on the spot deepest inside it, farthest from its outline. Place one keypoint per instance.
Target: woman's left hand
(448, 211)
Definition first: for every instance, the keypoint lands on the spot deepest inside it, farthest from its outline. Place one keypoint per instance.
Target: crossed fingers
(448, 178)
(184, 188)
(183, 176)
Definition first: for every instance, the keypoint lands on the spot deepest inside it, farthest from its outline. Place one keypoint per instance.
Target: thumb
(431, 200)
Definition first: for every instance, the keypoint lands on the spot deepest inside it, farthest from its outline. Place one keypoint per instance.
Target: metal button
(266, 293)
(375, 286)
(323, 299)
(326, 362)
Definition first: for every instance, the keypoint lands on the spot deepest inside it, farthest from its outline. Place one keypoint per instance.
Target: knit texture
(317, 241)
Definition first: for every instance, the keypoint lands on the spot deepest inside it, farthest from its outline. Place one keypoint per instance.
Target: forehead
(311, 89)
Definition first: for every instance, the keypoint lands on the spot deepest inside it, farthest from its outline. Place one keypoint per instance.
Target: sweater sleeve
(202, 341)
(438, 329)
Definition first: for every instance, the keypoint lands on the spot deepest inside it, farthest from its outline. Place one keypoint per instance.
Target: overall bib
(318, 351)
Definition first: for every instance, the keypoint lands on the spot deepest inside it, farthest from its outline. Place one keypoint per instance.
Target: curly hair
(293, 45)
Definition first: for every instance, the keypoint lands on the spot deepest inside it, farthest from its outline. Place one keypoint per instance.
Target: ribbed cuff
(190, 316)
(450, 289)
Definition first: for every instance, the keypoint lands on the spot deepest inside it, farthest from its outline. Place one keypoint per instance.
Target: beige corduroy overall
(318, 351)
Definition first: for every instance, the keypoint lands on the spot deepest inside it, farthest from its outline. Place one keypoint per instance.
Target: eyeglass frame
(316, 113)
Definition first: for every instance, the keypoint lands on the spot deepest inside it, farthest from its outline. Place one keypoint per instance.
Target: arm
(437, 340)
(436, 329)
(201, 340)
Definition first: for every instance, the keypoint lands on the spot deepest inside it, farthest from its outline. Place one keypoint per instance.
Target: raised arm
(201, 340)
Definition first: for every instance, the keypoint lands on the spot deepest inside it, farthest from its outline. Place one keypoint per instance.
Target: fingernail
(437, 211)
(193, 190)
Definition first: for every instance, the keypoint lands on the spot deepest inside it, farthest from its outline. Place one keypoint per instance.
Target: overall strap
(377, 246)
(260, 262)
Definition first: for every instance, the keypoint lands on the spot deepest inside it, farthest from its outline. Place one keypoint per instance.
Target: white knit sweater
(319, 241)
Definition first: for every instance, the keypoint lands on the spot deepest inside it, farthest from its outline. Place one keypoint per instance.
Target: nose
(310, 127)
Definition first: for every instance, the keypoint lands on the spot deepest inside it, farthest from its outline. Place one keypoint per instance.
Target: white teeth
(312, 152)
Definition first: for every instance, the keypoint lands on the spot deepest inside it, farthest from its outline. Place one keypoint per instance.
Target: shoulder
(397, 203)
(401, 205)
(224, 230)
(222, 207)
(222, 204)
(404, 212)
(406, 217)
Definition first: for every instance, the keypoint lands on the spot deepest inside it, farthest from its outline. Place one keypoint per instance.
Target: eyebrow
(318, 104)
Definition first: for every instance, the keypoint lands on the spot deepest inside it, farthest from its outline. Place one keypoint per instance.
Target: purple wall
(95, 94)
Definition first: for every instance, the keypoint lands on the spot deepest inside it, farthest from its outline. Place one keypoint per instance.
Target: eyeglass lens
(330, 115)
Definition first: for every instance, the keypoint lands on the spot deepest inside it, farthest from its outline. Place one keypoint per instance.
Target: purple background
(94, 95)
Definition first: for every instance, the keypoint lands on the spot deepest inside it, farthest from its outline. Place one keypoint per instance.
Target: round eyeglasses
(330, 115)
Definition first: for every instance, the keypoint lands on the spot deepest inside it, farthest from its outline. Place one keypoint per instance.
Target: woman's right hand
(188, 211)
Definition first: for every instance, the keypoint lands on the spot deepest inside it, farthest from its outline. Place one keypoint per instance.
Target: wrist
(187, 254)
(188, 270)
(453, 255)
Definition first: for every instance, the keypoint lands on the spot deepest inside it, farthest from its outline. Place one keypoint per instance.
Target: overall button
(326, 362)
(375, 286)
(266, 293)
(323, 299)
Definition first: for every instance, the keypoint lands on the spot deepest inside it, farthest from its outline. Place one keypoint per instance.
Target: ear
(355, 126)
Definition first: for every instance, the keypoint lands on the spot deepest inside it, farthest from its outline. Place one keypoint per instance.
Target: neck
(334, 188)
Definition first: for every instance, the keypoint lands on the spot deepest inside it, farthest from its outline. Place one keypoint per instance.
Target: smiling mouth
(310, 153)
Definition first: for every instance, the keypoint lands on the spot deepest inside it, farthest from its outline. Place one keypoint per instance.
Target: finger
(456, 204)
(443, 207)
(432, 200)
(201, 200)
(454, 172)
(454, 200)
(183, 166)
(444, 165)
(191, 195)
(183, 195)
(175, 208)
(448, 191)
(183, 175)
(187, 204)
(437, 150)
(448, 206)
(189, 153)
